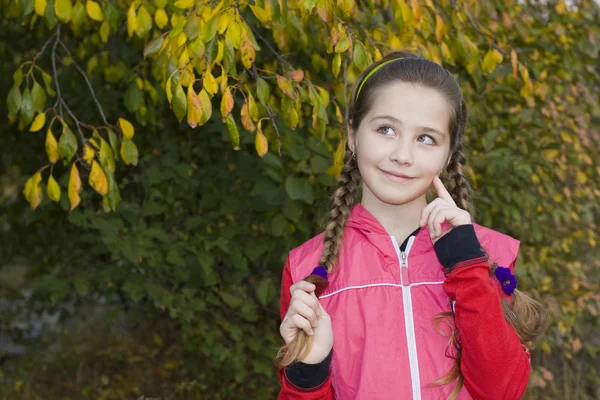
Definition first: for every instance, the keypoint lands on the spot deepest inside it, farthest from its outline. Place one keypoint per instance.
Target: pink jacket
(382, 303)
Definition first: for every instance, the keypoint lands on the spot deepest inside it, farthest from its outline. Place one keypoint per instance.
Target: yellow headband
(371, 73)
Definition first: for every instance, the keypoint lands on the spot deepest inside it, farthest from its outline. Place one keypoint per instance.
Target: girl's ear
(351, 138)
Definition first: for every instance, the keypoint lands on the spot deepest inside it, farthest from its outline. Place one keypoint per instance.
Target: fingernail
(312, 333)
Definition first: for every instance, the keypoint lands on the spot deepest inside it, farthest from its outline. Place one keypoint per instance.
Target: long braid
(343, 201)
(525, 315)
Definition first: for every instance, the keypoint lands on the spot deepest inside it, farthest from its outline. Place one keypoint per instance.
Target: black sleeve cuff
(308, 376)
(458, 245)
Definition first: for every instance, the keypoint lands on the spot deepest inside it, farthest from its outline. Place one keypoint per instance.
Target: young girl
(387, 271)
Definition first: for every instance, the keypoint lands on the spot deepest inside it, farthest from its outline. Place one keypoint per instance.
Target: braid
(457, 183)
(343, 201)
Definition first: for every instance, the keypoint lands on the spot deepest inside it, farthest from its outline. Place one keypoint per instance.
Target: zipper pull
(404, 269)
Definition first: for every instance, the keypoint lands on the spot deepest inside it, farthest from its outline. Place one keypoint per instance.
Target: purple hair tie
(506, 279)
(321, 271)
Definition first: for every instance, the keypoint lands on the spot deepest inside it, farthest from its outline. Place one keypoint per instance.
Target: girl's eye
(385, 130)
(426, 139)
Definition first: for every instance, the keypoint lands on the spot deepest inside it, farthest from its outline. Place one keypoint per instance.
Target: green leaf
(362, 59)
(67, 144)
(114, 143)
(27, 110)
(299, 189)
(134, 97)
(144, 22)
(154, 46)
(39, 97)
(50, 16)
(179, 103)
(18, 76)
(113, 198)
(234, 133)
(129, 152)
(192, 27)
(13, 101)
(209, 29)
(107, 159)
(265, 291)
(48, 84)
(262, 90)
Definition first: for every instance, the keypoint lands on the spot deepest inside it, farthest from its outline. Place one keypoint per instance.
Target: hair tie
(321, 271)
(372, 72)
(506, 279)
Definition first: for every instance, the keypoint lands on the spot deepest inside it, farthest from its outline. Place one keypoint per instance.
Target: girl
(388, 270)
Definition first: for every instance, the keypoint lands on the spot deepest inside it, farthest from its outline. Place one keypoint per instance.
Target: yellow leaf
(439, 28)
(38, 123)
(226, 103)
(261, 14)
(342, 44)
(248, 52)
(40, 7)
(94, 11)
(131, 20)
(561, 7)
(63, 10)
(246, 120)
(514, 62)
(490, 60)
(416, 9)
(209, 82)
(127, 128)
(252, 108)
(18, 386)
(104, 31)
(98, 180)
(206, 105)
(194, 108)
(223, 22)
(336, 64)
(184, 3)
(51, 147)
(261, 143)
(88, 154)
(74, 187)
(169, 90)
(160, 18)
(53, 190)
(33, 190)
(285, 85)
(581, 177)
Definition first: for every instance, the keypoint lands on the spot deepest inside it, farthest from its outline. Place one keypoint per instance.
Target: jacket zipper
(409, 322)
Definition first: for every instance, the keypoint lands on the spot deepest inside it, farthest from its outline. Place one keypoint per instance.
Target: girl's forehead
(412, 103)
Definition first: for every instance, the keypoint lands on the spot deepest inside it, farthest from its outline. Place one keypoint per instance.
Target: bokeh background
(159, 158)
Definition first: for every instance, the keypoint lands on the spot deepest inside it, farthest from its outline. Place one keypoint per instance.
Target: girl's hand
(440, 210)
(305, 313)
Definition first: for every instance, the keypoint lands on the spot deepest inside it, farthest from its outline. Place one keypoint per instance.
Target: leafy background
(159, 158)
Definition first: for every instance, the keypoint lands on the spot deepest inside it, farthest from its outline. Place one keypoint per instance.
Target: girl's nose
(402, 152)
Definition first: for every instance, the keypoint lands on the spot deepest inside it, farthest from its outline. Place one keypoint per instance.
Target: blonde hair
(525, 315)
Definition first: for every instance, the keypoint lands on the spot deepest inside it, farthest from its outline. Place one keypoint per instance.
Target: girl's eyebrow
(398, 122)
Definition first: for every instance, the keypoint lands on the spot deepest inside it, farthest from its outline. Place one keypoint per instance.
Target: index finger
(304, 286)
(442, 191)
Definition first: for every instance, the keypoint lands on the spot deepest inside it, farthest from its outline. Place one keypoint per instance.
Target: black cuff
(458, 245)
(308, 376)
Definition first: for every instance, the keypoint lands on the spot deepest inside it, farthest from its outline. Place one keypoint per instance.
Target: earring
(354, 156)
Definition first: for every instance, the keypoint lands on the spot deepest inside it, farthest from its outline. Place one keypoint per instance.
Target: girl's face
(402, 143)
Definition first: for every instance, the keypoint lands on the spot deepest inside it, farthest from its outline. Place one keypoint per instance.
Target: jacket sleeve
(289, 391)
(494, 363)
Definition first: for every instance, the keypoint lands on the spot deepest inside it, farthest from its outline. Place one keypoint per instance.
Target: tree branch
(86, 81)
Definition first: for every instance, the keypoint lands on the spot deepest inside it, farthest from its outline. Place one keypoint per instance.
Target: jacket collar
(363, 221)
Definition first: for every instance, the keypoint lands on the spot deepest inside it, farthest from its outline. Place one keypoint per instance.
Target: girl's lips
(397, 177)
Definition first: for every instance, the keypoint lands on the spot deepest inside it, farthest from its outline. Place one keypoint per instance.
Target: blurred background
(159, 158)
